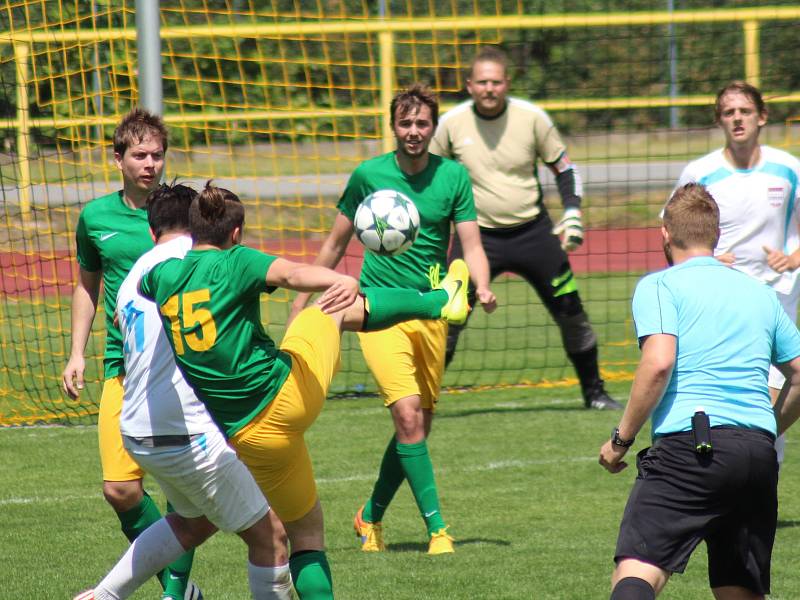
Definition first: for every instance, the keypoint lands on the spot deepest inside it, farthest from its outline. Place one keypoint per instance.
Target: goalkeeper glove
(570, 229)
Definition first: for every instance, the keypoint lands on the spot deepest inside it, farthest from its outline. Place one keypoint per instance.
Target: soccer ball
(386, 222)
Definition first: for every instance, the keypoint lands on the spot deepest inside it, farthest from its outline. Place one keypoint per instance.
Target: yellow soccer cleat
(369, 534)
(456, 284)
(441, 543)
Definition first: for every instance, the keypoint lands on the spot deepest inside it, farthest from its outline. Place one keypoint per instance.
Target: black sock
(586, 368)
(633, 588)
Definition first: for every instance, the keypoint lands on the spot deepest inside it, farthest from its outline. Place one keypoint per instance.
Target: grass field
(533, 514)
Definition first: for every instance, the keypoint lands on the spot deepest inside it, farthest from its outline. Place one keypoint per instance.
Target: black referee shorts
(728, 498)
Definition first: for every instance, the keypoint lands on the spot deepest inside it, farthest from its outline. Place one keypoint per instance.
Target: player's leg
(669, 510)
(273, 448)
(394, 361)
(536, 254)
(380, 308)
(637, 580)
(123, 490)
(740, 545)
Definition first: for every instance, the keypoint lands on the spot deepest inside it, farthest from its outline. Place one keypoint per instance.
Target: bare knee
(307, 532)
(123, 495)
(191, 532)
(409, 420)
(266, 541)
(630, 567)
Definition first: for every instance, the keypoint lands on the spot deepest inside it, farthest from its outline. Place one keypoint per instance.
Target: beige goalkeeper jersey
(501, 157)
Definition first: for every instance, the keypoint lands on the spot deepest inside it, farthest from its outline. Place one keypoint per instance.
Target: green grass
(533, 514)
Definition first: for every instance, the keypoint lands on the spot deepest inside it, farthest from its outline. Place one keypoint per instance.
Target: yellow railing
(750, 18)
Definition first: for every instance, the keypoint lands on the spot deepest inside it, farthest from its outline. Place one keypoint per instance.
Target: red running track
(604, 250)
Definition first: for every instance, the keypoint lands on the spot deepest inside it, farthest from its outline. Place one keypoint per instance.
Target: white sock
(270, 583)
(154, 549)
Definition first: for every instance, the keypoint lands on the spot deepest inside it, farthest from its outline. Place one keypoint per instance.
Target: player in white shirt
(756, 189)
(169, 432)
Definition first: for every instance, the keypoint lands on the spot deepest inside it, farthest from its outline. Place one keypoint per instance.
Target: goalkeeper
(500, 141)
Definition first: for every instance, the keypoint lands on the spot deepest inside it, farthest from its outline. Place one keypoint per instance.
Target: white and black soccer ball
(386, 222)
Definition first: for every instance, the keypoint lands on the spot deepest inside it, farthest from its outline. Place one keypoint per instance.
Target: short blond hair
(691, 217)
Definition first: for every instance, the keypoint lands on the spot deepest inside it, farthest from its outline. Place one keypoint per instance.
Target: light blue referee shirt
(729, 327)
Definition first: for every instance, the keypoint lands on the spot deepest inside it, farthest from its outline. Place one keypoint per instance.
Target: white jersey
(157, 399)
(758, 207)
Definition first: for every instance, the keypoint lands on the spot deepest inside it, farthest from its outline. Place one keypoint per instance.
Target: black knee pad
(576, 332)
(633, 588)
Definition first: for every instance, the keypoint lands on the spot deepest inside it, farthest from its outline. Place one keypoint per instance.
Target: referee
(708, 334)
(500, 140)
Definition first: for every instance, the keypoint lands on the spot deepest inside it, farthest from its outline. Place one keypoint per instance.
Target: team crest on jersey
(775, 197)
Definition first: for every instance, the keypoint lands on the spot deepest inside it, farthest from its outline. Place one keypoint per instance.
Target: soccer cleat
(87, 595)
(598, 399)
(441, 543)
(193, 592)
(456, 284)
(370, 534)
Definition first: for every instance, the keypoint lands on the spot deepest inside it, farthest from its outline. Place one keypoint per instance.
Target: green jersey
(110, 237)
(211, 311)
(442, 194)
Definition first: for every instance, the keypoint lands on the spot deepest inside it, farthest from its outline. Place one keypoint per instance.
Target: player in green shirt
(112, 234)
(407, 360)
(264, 397)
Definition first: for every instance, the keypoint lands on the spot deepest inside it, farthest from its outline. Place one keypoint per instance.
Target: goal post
(281, 101)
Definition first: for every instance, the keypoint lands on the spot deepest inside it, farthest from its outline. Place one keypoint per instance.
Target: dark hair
(489, 54)
(741, 87)
(412, 98)
(214, 214)
(135, 127)
(168, 208)
(691, 217)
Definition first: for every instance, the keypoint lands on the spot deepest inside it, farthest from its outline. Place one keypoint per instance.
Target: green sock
(390, 477)
(175, 578)
(135, 520)
(311, 575)
(389, 306)
(419, 471)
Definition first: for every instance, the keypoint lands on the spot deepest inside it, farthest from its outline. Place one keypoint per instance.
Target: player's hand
(72, 377)
(340, 295)
(570, 229)
(611, 457)
(486, 298)
(727, 259)
(778, 261)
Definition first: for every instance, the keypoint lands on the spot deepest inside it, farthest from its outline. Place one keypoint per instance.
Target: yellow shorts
(116, 462)
(407, 359)
(272, 444)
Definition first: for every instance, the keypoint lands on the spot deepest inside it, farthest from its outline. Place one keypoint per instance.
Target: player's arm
(84, 308)
(475, 257)
(649, 382)
(340, 290)
(568, 181)
(330, 254)
(787, 407)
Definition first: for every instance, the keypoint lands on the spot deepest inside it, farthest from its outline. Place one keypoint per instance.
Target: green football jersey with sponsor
(442, 194)
(211, 310)
(111, 236)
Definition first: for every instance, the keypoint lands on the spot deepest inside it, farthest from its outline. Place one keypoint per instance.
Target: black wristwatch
(618, 441)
